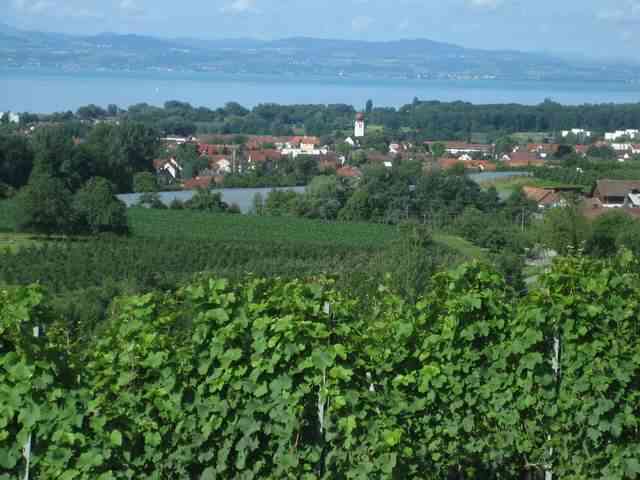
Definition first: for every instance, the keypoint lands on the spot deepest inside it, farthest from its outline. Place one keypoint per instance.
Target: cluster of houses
(622, 195)
(267, 151)
(227, 157)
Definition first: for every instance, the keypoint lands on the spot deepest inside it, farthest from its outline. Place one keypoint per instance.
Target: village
(224, 156)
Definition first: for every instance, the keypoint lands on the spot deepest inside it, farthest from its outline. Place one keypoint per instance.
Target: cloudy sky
(575, 27)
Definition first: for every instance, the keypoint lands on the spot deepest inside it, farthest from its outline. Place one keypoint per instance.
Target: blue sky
(577, 27)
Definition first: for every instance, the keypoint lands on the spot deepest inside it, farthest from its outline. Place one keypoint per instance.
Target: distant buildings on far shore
(630, 133)
(13, 117)
(578, 132)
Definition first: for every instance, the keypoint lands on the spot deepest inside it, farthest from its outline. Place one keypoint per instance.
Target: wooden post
(26, 451)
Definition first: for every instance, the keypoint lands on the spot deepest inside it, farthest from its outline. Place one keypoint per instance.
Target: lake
(44, 92)
(243, 197)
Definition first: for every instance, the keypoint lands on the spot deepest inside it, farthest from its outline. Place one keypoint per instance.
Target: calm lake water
(47, 92)
(241, 196)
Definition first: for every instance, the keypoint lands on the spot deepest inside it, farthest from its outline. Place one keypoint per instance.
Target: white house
(303, 146)
(622, 147)
(632, 200)
(578, 132)
(171, 166)
(224, 165)
(613, 136)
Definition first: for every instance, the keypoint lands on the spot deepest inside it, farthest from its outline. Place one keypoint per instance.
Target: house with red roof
(349, 172)
(200, 182)
(521, 159)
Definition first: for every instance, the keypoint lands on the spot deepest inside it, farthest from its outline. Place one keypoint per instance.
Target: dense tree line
(416, 120)
(74, 154)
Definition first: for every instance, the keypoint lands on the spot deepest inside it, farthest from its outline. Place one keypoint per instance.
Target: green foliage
(565, 229)
(44, 206)
(97, 210)
(16, 162)
(145, 182)
(607, 234)
(277, 379)
(206, 200)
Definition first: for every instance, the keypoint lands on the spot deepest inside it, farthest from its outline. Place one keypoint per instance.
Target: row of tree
(419, 119)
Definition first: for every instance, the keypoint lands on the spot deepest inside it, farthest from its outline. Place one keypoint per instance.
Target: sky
(580, 28)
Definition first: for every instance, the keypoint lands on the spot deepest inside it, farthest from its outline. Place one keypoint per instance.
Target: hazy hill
(410, 58)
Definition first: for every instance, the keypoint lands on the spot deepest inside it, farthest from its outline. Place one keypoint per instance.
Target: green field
(193, 225)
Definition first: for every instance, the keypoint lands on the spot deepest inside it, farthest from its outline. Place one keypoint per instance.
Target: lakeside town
(265, 153)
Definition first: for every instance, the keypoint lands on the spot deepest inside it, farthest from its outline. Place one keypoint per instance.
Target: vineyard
(195, 225)
(276, 379)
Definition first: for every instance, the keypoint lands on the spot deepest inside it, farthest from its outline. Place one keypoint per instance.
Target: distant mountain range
(293, 57)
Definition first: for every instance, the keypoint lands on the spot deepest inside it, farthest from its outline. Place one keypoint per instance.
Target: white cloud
(55, 9)
(361, 24)
(626, 12)
(488, 4)
(240, 6)
(130, 7)
(33, 7)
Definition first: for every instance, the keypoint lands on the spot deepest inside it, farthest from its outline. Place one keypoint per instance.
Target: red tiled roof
(549, 148)
(446, 163)
(214, 159)
(349, 171)
(198, 182)
(542, 196)
(304, 140)
(592, 208)
(523, 159)
(264, 155)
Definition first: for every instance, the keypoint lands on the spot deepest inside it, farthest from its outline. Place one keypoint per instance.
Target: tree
(505, 145)
(16, 160)
(257, 207)
(438, 150)
(53, 148)
(44, 206)
(190, 160)
(369, 107)
(606, 232)
(604, 152)
(98, 210)
(207, 200)
(123, 150)
(564, 151)
(145, 182)
(324, 197)
(91, 112)
(565, 229)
